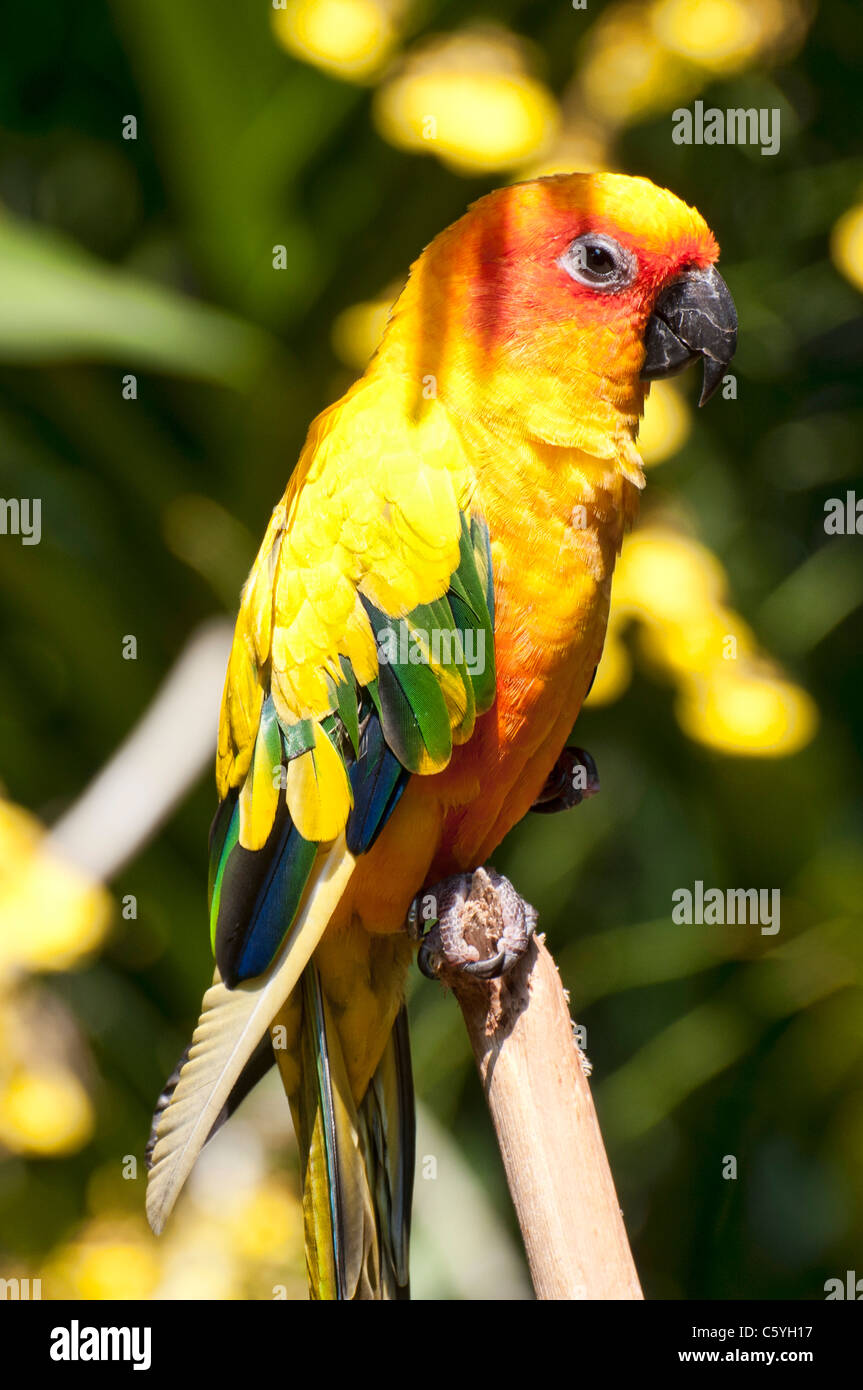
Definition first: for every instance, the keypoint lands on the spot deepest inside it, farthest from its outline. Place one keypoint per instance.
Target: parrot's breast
(556, 519)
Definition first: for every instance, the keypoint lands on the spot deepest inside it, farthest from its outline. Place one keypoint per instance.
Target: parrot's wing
(364, 650)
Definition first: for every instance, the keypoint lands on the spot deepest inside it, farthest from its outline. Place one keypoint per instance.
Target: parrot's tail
(358, 1158)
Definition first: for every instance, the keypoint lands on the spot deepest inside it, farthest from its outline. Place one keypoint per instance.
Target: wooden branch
(536, 1088)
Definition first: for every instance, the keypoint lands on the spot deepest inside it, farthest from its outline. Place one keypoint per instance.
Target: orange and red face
(537, 269)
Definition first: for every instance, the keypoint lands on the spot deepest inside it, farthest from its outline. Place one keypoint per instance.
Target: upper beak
(694, 317)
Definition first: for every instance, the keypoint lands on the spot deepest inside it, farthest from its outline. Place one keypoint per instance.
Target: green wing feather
(414, 714)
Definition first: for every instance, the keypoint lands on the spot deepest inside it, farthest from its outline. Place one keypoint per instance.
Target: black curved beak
(694, 317)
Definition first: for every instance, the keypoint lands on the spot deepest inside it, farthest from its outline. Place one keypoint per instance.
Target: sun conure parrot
(414, 643)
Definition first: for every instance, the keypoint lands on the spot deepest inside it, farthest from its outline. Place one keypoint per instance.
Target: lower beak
(694, 317)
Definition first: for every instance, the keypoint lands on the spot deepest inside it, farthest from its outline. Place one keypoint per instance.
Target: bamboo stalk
(538, 1095)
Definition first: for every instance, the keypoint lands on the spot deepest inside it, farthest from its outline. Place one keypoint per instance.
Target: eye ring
(599, 262)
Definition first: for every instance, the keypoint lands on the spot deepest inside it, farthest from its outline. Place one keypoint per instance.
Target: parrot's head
(568, 293)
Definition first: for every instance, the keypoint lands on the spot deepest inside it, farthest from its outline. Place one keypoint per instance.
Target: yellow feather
(241, 710)
(318, 792)
(259, 798)
(374, 508)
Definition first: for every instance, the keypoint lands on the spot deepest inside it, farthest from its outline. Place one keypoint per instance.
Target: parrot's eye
(600, 262)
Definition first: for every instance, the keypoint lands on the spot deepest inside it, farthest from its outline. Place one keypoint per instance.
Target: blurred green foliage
(155, 257)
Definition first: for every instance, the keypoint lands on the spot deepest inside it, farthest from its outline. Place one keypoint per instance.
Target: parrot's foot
(573, 777)
(474, 913)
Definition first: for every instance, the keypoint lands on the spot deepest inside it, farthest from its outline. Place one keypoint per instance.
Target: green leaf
(59, 302)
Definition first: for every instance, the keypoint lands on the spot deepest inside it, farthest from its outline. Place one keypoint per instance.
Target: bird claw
(493, 967)
(475, 912)
(573, 778)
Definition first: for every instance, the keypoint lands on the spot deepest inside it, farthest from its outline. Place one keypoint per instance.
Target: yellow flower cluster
(351, 39)
(470, 99)
(473, 98)
(252, 1249)
(730, 695)
(51, 918)
(846, 245)
(247, 1245)
(642, 59)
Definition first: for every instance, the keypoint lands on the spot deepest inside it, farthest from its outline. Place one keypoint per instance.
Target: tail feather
(338, 1207)
(388, 1130)
(359, 1160)
(254, 1071)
